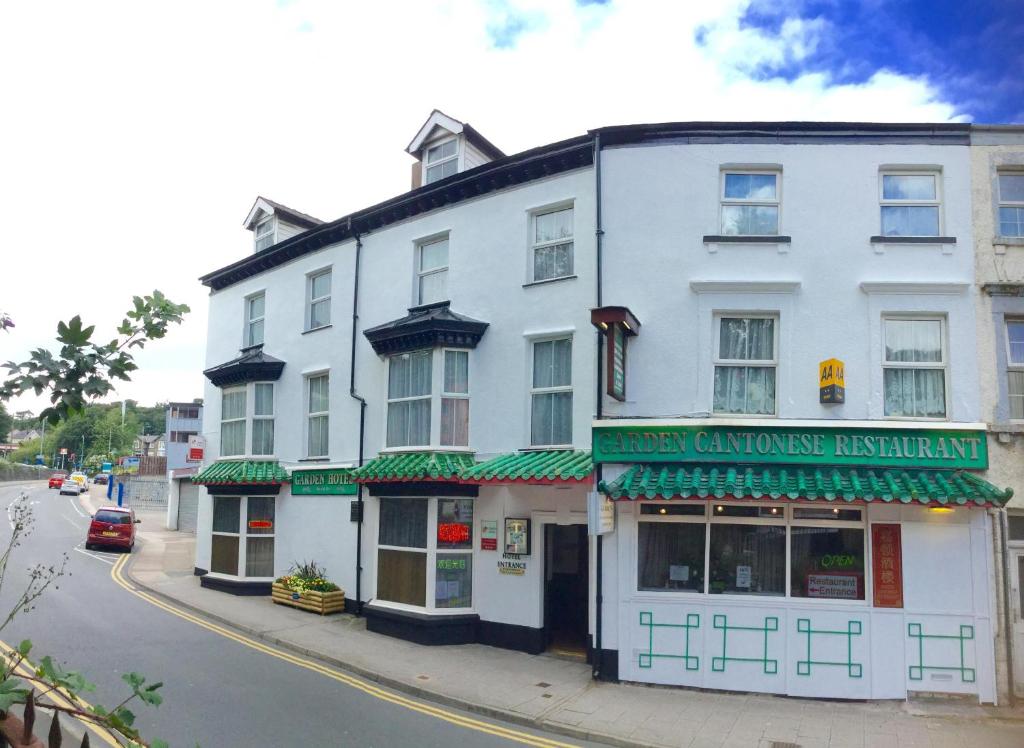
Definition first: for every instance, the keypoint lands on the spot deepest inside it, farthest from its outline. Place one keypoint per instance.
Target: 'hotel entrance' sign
(878, 447)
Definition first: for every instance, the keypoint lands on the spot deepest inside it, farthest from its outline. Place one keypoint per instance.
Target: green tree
(6, 423)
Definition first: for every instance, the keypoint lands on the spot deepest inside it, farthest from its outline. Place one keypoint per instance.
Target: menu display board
(887, 565)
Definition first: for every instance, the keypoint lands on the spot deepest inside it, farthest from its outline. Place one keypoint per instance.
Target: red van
(112, 526)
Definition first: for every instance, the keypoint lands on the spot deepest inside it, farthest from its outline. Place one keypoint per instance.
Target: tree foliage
(83, 369)
(6, 423)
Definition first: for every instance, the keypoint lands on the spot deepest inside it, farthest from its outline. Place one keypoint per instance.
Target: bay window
(746, 360)
(409, 395)
(551, 393)
(425, 552)
(414, 388)
(247, 420)
(914, 367)
(741, 549)
(232, 421)
(455, 400)
(243, 549)
(263, 419)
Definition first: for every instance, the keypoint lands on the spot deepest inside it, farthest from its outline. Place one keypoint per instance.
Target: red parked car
(56, 479)
(112, 526)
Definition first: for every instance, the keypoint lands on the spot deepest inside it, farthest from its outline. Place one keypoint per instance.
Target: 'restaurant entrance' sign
(878, 447)
(334, 481)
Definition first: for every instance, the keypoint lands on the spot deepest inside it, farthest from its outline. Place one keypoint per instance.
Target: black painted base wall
(235, 587)
(422, 629)
(509, 636)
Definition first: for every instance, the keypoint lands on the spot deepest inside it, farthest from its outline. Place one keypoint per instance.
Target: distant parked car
(100, 479)
(112, 525)
(70, 487)
(56, 479)
(81, 479)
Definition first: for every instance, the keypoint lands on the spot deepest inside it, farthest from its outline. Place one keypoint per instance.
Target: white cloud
(136, 137)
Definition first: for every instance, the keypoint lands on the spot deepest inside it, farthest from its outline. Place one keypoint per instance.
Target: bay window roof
(252, 366)
(426, 327)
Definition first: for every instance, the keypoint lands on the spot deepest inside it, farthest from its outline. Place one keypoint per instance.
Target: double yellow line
(116, 573)
(62, 698)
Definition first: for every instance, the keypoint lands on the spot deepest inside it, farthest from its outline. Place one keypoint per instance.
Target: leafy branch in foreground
(85, 369)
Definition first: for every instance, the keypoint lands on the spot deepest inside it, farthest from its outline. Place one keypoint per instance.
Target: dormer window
(265, 233)
(442, 161)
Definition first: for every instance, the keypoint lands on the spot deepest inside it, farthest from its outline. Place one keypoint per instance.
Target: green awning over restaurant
(413, 466)
(779, 482)
(537, 467)
(242, 473)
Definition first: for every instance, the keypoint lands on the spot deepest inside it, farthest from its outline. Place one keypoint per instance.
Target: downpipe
(362, 421)
(599, 410)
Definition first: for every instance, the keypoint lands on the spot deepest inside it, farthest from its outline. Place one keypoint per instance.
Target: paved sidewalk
(558, 695)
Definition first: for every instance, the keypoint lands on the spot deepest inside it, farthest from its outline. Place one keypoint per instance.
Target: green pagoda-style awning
(412, 466)
(540, 467)
(242, 473)
(940, 487)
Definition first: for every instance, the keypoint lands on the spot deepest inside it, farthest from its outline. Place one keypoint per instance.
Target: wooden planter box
(323, 603)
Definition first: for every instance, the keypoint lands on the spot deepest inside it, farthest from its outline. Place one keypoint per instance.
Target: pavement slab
(571, 703)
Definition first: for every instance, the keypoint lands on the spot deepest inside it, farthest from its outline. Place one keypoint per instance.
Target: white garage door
(188, 505)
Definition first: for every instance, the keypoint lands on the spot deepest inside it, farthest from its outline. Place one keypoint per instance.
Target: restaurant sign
(333, 481)
(879, 447)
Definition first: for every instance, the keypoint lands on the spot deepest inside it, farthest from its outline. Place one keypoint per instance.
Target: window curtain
(403, 522)
(917, 393)
(746, 339)
(913, 340)
(456, 372)
(745, 389)
(671, 556)
(552, 363)
(551, 419)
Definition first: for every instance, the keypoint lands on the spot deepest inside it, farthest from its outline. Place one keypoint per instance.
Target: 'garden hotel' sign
(336, 481)
(791, 445)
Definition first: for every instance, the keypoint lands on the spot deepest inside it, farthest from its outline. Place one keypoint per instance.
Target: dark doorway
(565, 589)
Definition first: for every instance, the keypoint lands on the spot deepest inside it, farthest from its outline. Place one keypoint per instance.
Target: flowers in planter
(307, 577)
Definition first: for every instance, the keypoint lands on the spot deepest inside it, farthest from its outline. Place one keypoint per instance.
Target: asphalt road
(217, 692)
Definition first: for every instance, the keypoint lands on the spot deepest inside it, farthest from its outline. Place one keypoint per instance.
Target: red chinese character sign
(452, 532)
(887, 565)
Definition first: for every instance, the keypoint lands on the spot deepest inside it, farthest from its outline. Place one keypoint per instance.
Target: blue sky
(972, 51)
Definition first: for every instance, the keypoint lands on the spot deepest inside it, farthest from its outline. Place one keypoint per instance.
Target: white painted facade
(489, 267)
(823, 279)
(829, 289)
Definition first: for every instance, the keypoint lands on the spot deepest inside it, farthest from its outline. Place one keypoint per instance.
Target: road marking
(104, 559)
(62, 698)
(74, 505)
(379, 693)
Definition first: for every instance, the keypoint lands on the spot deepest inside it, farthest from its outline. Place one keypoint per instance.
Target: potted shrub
(306, 587)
